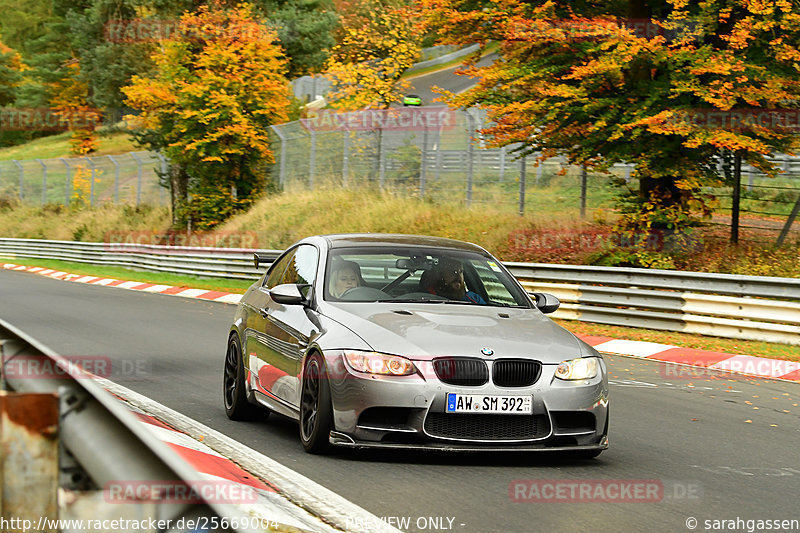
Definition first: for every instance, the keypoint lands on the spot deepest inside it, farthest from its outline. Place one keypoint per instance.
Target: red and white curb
(259, 500)
(741, 364)
(184, 292)
(283, 496)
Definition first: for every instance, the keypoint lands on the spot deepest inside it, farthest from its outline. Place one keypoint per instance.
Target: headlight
(379, 363)
(583, 368)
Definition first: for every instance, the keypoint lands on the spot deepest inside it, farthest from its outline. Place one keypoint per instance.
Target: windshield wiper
(412, 301)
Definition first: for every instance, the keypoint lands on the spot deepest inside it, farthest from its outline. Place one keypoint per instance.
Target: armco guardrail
(232, 263)
(105, 442)
(724, 305)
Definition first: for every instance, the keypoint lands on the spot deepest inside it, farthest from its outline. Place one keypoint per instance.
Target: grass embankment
(278, 221)
(55, 146)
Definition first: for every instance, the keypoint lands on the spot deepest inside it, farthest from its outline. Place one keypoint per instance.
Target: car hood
(424, 331)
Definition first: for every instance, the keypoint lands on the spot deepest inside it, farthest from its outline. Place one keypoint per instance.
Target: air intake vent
(461, 371)
(515, 372)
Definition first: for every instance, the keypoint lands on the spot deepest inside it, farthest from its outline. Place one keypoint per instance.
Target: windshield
(420, 275)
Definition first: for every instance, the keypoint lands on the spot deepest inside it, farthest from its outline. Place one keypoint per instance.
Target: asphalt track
(721, 447)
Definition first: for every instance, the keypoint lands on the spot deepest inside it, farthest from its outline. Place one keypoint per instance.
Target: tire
(234, 394)
(316, 414)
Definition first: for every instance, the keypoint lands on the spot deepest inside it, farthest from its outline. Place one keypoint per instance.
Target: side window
(277, 270)
(495, 289)
(302, 267)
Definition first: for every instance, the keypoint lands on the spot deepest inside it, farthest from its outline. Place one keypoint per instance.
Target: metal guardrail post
(68, 181)
(423, 156)
(282, 164)
(91, 186)
(105, 438)
(44, 181)
(345, 156)
(470, 156)
(138, 177)
(522, 173)
(21, 177)
(583, 191)
(502, 164)
(312, 157)
(29, 463)
(381, 159)
(789, 222)
(116, 179)
(539, 168)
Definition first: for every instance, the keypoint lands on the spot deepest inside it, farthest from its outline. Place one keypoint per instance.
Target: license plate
(489, 404)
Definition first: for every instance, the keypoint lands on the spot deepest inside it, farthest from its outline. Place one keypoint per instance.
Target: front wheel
(233, 388)
(316, 414)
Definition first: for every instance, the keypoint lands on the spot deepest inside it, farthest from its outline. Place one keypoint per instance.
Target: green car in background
(412, 100)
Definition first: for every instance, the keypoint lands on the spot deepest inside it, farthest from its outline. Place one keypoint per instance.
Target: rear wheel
(233, 388)
(316, 414)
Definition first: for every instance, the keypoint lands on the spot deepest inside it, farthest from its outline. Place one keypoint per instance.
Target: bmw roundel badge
(487, 351)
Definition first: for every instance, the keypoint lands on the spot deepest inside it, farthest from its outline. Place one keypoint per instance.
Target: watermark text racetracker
(405, 119)
(188, 492)
(602, 491)
(131, 241)
(700, 370)
(77, 366)
(750, 525)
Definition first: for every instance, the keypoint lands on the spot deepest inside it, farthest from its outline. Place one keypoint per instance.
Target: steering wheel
(350, 290)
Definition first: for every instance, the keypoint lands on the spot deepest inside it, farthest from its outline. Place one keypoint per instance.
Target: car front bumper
(409, 412)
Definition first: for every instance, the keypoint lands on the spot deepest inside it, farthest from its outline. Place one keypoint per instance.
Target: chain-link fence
(439, 154)
(767, 202)
(435, 153)
(429, 152)
(126, 178)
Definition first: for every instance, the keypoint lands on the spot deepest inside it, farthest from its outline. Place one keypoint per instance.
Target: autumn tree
(218, 86)
(10, 74)
(668, 85)
(377, 43)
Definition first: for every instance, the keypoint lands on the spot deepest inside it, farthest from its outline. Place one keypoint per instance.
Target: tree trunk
(179, 190)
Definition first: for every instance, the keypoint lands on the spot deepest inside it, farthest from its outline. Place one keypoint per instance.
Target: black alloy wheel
(233, 388)
(315, 406)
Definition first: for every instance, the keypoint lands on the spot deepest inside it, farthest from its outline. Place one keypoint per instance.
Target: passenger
(450, 283)
(345, 275)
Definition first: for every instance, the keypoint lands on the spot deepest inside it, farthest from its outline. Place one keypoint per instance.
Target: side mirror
(287, 294)
(545, 302)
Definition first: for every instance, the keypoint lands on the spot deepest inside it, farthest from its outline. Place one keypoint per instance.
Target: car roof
(350, 240)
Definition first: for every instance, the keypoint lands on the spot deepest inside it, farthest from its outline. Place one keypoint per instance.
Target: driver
(345, 275)
(450, 282)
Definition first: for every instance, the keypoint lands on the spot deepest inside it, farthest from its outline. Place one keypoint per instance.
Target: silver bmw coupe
(385, 341)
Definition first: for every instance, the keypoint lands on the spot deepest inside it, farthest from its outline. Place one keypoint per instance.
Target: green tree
(581, 79)
(217, 87)
(306, 32)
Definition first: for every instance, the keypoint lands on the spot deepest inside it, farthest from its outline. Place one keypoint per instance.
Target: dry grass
(95, 224)
(281, 220)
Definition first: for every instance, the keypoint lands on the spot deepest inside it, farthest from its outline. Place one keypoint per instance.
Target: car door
(255, 340)
(287, 330)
